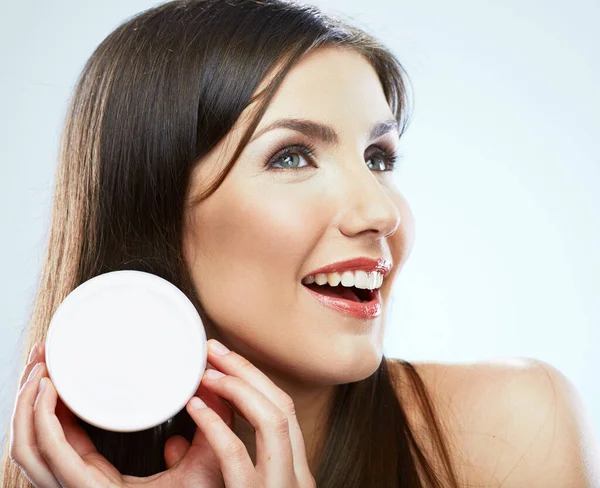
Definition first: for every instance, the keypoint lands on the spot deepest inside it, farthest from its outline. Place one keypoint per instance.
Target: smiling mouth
(351, 293)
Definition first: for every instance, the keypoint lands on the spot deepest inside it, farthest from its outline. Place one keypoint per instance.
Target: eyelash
(390, 157)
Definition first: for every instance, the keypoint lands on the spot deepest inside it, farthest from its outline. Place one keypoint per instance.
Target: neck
(312, 406)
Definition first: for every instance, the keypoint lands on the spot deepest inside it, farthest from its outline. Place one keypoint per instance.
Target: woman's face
(250, 244)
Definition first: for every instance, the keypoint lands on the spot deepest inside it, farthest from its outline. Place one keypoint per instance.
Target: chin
(355, 365)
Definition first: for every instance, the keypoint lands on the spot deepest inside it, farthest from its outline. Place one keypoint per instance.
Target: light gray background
(501, 168)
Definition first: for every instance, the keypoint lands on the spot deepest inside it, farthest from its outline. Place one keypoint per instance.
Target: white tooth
(360, 279)
(321, 278)
(348, 278)
(334, 279)
(309, 279)
(372, 280)
(379, 280)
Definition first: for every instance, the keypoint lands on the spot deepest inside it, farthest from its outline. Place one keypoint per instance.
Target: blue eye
(386, 158)
(285, 156)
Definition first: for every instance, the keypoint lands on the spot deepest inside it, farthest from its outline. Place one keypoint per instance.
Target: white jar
(126, 350)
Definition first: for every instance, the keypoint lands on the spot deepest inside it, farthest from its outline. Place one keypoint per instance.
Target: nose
(368, 208)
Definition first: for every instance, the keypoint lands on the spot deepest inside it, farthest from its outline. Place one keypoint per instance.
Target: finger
(34, 357)
(76, 435)
(23, 445)
(202, 446)
(273, 446)
(233, 364)
(216, 403)
(175, 449)
(68, 467)
(235, 463)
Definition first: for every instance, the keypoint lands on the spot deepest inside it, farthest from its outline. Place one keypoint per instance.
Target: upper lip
(381, 265)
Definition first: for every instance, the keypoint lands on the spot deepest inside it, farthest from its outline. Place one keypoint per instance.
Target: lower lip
(366, 310)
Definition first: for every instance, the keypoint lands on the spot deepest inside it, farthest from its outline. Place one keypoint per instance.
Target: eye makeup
(384, 151)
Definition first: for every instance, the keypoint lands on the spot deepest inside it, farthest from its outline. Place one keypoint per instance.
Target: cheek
(268, 230)
(250, 247)
(402, 241)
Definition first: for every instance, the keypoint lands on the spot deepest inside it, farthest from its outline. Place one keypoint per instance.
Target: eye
(384, 158)
(289, 157)
(380, 159)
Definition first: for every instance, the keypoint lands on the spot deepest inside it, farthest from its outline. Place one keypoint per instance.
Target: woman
(222, 145)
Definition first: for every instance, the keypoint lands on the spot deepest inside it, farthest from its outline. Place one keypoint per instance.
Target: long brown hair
(153, 99)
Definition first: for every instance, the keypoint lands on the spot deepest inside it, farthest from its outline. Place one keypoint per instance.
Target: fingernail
(197, 403)
(42, 384)
(217, 348)
(35, 371)
(213, 374)
(33, 353)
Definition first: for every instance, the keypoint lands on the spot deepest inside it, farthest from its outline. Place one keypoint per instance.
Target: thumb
(175, 449)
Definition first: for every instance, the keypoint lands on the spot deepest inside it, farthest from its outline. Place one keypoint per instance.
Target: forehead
(332, 84)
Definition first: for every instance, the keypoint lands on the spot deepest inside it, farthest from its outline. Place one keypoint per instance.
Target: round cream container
(126, 350)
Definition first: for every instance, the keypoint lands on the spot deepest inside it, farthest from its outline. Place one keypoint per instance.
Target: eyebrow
(324, 132)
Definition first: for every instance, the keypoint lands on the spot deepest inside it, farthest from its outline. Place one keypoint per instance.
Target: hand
(55, 452)
(281, 456)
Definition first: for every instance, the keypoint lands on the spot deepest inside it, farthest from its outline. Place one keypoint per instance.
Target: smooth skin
(514, 424)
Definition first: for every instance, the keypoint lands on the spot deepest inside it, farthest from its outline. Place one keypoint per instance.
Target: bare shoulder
(511, 423)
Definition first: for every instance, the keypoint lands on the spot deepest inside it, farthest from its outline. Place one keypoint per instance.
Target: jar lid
(126, 350)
